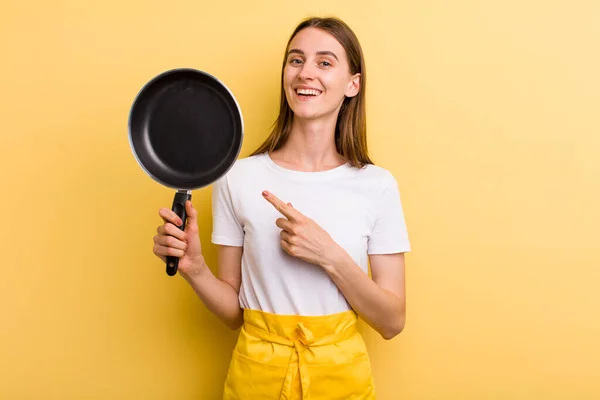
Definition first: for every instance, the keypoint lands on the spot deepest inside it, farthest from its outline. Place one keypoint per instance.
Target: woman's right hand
(172, 241)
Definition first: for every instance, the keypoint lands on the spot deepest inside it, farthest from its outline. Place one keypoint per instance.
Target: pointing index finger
(279, 205)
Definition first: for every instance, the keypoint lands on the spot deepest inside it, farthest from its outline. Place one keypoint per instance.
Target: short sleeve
(389, 233)
(227, 230)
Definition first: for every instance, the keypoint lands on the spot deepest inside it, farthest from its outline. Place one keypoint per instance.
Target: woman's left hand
(302, 237)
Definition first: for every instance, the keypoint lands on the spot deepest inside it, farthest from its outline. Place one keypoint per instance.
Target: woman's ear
(353, 86)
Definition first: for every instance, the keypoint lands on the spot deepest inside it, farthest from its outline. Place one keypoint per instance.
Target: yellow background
(487, 113)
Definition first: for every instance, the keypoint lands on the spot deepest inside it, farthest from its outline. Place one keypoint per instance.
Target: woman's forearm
(379, 308)
(218, 296)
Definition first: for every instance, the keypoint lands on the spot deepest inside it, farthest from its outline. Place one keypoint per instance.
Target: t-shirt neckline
(305, 175)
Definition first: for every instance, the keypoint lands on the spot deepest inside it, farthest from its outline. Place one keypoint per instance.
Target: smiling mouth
(308, 92)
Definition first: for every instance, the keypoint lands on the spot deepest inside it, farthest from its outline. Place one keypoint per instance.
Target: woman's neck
(310, 147)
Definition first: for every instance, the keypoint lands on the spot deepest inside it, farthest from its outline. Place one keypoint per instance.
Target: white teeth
(310, 92)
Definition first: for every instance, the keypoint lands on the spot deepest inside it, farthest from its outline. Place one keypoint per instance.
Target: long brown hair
(351, 126)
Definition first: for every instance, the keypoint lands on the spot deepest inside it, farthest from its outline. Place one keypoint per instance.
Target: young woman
(297, 224)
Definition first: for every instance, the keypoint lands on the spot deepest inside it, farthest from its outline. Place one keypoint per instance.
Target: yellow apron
(290, 357)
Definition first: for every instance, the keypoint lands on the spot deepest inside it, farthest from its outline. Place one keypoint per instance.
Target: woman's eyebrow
(325, 52)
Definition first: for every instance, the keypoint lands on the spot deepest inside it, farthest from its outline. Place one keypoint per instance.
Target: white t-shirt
(359, 208)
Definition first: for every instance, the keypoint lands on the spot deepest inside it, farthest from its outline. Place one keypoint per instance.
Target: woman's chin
(309, 113)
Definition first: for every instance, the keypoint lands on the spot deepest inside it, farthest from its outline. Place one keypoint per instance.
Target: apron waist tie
(305, 339)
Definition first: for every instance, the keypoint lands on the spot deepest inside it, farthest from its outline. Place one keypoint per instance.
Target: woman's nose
(307, 72)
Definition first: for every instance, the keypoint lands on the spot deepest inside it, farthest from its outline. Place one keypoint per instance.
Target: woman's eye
(295, 61)
(326, 63)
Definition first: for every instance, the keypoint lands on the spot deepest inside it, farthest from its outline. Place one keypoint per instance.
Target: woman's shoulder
(376, 173)
(240, 173)
(245, 166)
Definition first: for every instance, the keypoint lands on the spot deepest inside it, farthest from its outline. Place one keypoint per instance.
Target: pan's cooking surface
(186, 129)
(186, 134)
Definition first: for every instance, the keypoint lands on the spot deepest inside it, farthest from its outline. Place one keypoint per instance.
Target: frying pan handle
(179, 208)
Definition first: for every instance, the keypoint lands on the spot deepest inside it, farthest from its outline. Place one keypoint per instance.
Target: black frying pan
(185, 131)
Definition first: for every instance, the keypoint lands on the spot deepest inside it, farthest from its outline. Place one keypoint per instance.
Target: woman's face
(316, 76)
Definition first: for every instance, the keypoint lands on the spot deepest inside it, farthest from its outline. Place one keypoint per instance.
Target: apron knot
(305, 336)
